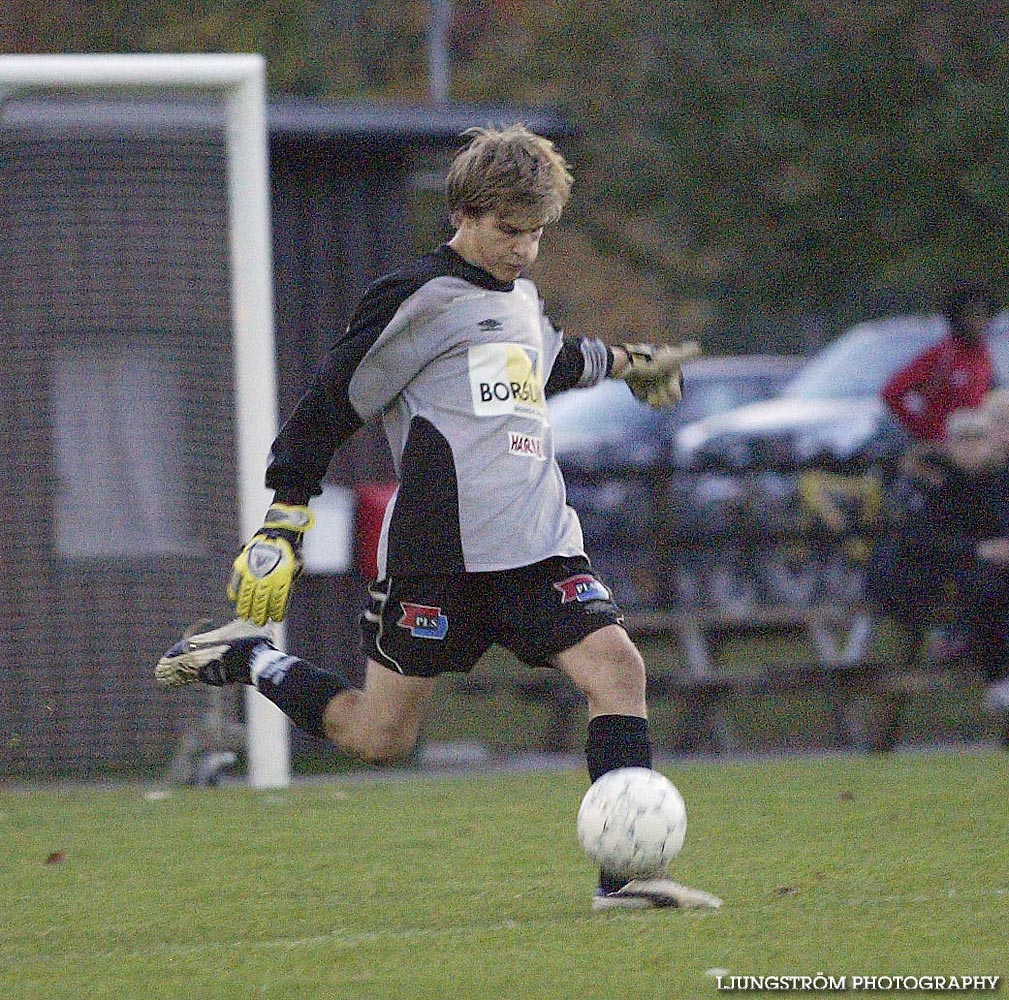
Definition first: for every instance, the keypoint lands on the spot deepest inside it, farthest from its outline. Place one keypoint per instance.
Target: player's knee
(386, 744)
(611, 673)
(625, 674)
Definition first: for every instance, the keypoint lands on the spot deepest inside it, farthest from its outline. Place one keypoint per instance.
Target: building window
(118, 415)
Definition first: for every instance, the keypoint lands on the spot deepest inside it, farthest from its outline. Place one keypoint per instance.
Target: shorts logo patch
(527, 445)
(582, 587)
(423, 622)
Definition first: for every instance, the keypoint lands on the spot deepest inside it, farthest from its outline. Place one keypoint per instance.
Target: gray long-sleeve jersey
(458, 366)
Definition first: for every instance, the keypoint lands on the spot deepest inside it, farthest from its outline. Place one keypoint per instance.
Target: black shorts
(422, 626)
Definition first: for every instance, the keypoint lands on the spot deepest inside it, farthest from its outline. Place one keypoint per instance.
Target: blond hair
(510, 171)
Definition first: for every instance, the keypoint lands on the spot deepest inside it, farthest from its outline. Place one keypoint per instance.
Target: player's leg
(608, 669)
(559, 613)
(411, 630)
(381, 721)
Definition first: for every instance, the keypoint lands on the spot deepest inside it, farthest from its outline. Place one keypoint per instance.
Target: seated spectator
(986, 612)
(951, 375)
(930, 554)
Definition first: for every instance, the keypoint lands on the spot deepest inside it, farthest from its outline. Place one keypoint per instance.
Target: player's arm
(265, 570)
(653, 373)
(358, 376)
(333, 408)
(581, 362)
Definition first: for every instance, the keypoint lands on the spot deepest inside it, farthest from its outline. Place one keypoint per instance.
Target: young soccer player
(456, 356)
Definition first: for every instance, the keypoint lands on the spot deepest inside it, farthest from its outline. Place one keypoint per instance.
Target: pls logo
(423, 622)
(582, 587)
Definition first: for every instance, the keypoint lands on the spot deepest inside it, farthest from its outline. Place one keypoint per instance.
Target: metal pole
(438, 57)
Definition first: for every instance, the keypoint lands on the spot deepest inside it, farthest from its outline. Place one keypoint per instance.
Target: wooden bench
(869, 699)
(700, 684)
(838, 639)
(837, 634)
(702, 698)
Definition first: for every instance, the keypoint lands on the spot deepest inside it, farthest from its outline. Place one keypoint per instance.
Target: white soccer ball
(632, 822)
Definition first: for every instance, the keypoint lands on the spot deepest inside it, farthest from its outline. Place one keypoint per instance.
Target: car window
(607, 414)
(859, 363)
(704, 398)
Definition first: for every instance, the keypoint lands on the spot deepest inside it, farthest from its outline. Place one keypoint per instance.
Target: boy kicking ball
(454, 353)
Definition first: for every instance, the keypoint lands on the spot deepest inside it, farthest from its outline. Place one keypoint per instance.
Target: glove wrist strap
(637, 354)
(290, 517)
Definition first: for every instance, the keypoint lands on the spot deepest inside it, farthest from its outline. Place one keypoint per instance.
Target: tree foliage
(818, 160)
(776, 166)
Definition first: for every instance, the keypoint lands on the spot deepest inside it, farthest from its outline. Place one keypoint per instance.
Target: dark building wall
(118, 503)
(339, 221)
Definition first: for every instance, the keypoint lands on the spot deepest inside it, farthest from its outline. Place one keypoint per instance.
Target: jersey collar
(458, 266)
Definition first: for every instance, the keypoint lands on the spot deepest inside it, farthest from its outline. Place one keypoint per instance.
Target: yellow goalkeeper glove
(265, 570)
(653, 374)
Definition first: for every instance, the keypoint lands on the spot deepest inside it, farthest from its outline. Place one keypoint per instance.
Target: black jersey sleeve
(324, 418)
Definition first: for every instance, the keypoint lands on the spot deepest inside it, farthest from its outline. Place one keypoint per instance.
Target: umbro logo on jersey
(490, 324)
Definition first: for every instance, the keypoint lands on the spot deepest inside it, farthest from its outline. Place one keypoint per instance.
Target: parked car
(819, 456)
(606, 428)
(830, 412)
(612, 448)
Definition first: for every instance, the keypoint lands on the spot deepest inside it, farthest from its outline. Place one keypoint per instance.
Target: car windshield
(859, 363)
(706, 397)
(607, 414)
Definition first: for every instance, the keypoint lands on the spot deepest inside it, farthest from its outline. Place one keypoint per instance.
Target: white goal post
(240, 79)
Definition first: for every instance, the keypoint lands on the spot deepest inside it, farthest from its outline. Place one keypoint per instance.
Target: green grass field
(474, 887)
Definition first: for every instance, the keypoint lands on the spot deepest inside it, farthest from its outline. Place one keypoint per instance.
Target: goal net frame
(240, 80)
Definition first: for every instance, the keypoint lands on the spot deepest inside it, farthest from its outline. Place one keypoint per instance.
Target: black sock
(616, 741)
(298, 689)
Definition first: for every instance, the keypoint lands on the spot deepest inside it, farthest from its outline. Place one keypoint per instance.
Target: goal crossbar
(241, 80)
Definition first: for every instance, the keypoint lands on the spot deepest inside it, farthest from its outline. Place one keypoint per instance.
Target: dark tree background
(762, 173)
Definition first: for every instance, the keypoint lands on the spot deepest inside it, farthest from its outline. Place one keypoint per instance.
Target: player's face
(503, 245)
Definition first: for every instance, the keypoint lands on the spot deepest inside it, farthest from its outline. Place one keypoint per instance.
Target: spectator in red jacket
(952, 375)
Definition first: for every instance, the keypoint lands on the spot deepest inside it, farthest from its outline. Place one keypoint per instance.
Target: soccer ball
(632, 822)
